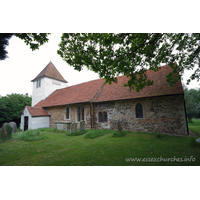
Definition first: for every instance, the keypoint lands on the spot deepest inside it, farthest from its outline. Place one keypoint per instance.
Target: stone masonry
(58, 113)
(165, 114)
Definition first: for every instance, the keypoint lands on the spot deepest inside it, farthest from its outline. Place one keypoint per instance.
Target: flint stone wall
(164, 114)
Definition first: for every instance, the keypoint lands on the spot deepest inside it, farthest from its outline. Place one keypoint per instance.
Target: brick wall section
(165, 114)
(58, 113)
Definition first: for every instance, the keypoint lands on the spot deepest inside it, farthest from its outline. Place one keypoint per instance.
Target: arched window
(80, 113)
(139, 111)
(103, 117)
(67, 110)
(67, 113)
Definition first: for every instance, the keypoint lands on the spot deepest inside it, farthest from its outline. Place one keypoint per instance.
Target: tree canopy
(35, 40)
(192, 101)
(11, 107)
(130, 54)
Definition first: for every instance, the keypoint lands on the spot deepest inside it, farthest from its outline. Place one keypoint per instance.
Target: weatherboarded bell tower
(46, 82)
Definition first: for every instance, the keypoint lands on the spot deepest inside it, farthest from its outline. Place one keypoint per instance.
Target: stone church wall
(165, 114)
(58, 113)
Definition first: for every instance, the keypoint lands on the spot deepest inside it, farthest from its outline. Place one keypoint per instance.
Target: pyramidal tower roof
(50, 71)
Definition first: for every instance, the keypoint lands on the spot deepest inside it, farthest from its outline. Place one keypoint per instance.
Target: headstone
(198, 140)
(82, 126)
(4, 126)
(1, 132)
(73, 127)
(14, 126)
(59, 126)
(119, 128)
(4, 132)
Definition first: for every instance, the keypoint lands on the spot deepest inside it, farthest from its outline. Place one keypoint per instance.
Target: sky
(23, 65)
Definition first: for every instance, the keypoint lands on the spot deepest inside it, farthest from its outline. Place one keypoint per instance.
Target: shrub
(93, 134)
(119, 134)
(158, 135)
(6, 133)
(9, 131)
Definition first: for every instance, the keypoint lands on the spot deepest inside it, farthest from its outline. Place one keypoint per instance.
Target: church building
(155, 108)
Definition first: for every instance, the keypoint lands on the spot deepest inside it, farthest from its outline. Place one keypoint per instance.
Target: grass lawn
(98, 147)
(195, 126)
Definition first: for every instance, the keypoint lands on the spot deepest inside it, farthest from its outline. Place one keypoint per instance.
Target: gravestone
(73, 127)
(1, 132)
(198, 140)
(4, 126)
(119, 127)
(82, 126)
(4, 133)
(14, 126)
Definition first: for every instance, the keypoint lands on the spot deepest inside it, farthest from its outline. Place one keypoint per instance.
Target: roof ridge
(50, 71)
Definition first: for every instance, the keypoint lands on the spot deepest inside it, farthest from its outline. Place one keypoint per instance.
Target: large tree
(192, 102)
(11, 107)
(131, 54)
(35, 40)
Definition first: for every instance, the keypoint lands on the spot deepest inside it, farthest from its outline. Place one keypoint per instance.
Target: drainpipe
(90, 116)
(185, 115)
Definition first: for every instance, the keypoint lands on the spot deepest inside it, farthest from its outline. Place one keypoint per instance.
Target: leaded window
(67, 113)
(100, 117)
(81, 113)
(103, 117)
(139, 111)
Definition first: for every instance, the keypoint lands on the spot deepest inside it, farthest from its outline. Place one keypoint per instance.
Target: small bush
(6, 133)
(93, 134)
(9, 130)
(119, 134)
(158, 135)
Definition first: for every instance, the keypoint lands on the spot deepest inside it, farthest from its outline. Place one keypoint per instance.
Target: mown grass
(195, 126)
(29, 135)
(57, 148)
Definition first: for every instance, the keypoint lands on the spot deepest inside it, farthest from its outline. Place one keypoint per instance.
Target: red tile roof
(51, 72)
(80, 93)
(97, 91)
(159, 88)
(34, 111)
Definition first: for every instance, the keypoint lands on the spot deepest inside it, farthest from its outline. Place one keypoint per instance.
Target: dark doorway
(25, 123)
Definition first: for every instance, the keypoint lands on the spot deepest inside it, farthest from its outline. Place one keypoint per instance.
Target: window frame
(81, 113)
(67, 113)
(103, 120)
(38, 83)
(143, 111)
